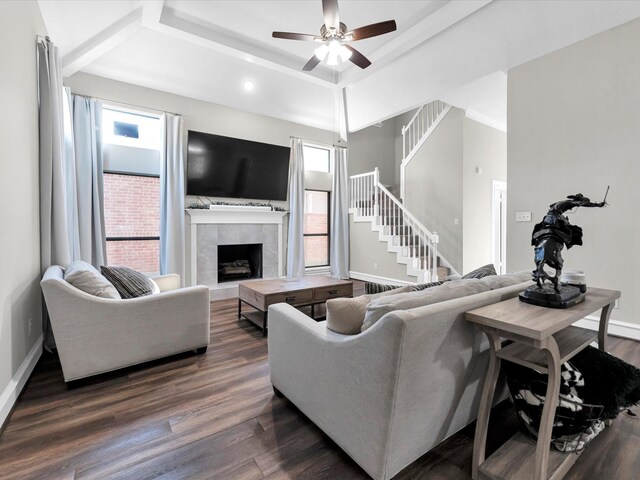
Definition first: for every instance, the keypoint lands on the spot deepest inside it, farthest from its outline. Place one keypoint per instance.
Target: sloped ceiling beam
(103, 42)
(178, 25)
(430, 26)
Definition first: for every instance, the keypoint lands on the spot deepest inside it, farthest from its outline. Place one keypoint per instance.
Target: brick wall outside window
(316, 221)
(132, 209)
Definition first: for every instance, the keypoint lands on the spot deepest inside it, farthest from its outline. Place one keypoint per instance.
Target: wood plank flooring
(214, 416)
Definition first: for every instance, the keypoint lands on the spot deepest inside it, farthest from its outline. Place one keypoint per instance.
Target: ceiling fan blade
(357, 58)
(311, 64)
(372, 30)
(331, 14)
(296, 36)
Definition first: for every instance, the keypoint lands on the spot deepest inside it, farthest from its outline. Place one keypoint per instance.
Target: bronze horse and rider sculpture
(549, 237)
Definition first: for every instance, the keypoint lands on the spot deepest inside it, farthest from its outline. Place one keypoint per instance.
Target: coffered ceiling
(458, 51)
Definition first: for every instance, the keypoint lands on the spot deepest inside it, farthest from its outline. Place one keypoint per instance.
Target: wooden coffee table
(299, 292)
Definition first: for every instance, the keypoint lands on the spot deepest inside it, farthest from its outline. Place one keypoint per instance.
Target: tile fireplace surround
(206, 229)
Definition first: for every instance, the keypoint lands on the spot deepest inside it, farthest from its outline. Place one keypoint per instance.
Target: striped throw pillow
(128, 282)
(371, 288)
(422, 286)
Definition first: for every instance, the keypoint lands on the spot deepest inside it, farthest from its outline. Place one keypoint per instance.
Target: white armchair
(96, 335)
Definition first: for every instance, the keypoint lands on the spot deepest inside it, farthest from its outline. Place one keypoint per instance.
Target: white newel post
(376, 192)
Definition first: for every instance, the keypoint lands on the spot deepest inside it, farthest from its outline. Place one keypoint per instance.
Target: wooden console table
(299, 292)
(543, 339)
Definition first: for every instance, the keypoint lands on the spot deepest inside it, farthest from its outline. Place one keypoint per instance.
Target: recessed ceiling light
(248, 85)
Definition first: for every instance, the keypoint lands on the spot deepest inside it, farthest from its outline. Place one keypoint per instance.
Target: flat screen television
(220, 166)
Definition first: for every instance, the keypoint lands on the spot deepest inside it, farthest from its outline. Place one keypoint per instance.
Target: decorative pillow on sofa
(128, 282)
(422, 286)
(371, 287)
(87, 278)
(345, 315)
(481, 272)
(447, 291)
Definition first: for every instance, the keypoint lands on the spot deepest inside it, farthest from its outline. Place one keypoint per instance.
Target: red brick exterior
(132, 209)
(316, 249)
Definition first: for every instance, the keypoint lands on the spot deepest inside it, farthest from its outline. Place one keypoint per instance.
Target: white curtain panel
(295, 246)
(172, 243)
(55, 244)
(339, 240)
(89, 189)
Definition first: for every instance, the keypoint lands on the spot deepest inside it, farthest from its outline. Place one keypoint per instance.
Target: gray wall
(374, 147)
(19, 188)
(574, 126)
(433, 185)
(486, 148)
(370, 256)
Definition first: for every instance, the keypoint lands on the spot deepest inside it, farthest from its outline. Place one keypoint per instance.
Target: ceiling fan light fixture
(334, 46)
(344, 53)
(321, 51)
(332, 58)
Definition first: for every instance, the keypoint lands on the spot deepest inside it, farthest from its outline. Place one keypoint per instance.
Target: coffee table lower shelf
(258, 318)
(515, 460)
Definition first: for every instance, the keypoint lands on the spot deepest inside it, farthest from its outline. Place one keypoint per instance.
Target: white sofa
(95, 335)
(391, 393)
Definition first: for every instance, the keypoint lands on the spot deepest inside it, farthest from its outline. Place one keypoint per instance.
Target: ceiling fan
(334, 37)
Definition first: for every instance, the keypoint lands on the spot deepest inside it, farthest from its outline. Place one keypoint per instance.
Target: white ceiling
(453, 50)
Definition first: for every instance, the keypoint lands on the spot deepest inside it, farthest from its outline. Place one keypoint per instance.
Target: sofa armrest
(344, 384)
(170, 281)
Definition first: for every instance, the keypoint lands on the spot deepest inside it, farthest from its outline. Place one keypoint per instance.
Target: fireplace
(239, 262)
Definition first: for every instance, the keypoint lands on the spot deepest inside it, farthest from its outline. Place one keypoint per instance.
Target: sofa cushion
(345, 315)
(129, 282)
(447, 291)
(500, 281)
(87, 278)
(481, 272)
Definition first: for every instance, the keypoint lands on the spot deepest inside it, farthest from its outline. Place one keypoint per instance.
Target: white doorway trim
(499, 225)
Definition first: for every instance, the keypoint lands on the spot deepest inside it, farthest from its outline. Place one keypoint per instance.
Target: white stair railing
(362, 194)
(415, 133)
(370, 199)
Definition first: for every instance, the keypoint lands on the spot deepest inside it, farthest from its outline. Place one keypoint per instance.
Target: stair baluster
(405, 234)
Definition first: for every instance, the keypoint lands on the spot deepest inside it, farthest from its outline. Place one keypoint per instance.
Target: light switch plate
(523, 216)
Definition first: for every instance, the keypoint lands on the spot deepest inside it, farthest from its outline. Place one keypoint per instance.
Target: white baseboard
(616, 327)
(16, 384)
(365, 277)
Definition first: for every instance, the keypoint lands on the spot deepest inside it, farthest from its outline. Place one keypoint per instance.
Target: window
(316, 228)
(132, 188)
(121, 126)
(317, 159)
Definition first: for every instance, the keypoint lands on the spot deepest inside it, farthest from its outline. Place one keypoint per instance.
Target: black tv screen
(220, 166)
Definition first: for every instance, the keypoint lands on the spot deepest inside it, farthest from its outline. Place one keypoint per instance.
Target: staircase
(414, 245)
(412, 242)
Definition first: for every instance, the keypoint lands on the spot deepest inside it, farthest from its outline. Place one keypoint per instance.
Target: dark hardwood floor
(214, 416)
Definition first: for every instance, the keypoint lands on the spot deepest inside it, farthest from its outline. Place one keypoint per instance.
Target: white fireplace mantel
(201, 215)
(229, 217)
